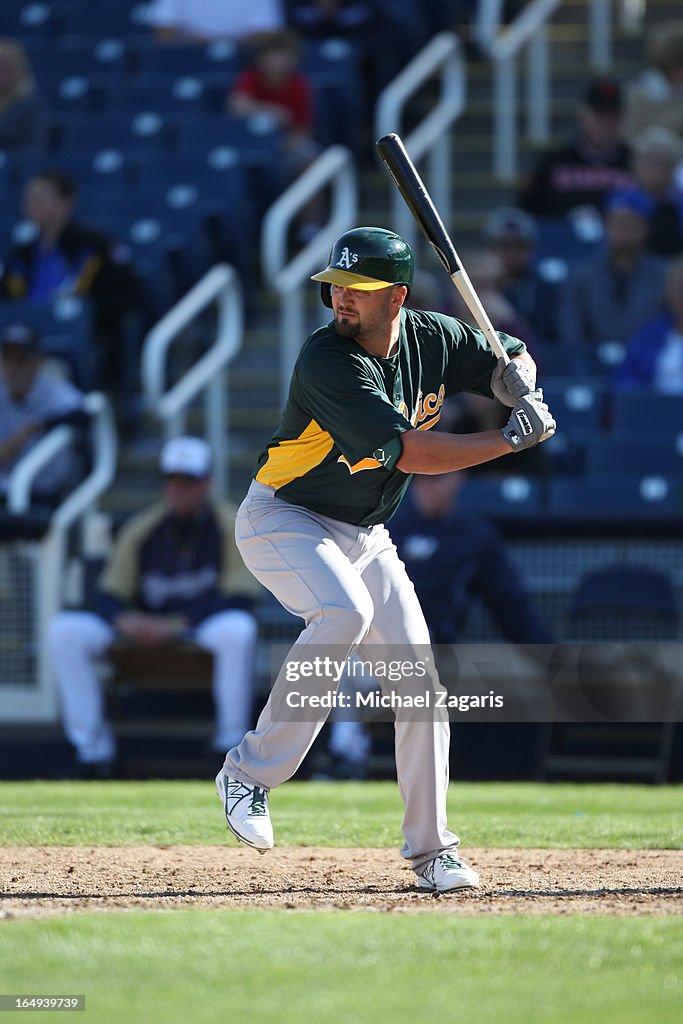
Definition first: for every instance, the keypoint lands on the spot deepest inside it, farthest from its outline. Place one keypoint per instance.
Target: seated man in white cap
(174, 573)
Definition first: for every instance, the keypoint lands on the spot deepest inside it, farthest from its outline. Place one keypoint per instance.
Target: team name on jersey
(426, 414)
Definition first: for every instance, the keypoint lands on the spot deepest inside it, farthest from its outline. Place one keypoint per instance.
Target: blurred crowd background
(143, 144)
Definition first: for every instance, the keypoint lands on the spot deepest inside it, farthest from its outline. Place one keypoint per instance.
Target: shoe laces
(257, 807)
(449, 861)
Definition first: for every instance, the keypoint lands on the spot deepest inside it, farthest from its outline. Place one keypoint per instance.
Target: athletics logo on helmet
(368, 259)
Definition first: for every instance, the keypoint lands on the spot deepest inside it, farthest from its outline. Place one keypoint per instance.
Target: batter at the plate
(365, 392)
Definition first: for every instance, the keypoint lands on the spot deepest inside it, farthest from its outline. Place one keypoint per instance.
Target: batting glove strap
(530, 422)
(511, 381)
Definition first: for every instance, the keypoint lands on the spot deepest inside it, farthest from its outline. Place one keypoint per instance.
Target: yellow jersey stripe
(289, 460)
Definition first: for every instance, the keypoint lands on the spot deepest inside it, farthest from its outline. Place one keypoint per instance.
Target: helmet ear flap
(326, 294)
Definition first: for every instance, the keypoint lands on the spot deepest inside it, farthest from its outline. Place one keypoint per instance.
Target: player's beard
(348, 327)
(372, 325)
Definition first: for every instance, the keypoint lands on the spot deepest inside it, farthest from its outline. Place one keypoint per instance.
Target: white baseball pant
(77, 640)
(350, 587)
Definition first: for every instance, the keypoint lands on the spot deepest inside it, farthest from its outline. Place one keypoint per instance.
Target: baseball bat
(419, 202)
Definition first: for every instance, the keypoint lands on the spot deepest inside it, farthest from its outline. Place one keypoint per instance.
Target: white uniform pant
(350, 587)
(78, 640)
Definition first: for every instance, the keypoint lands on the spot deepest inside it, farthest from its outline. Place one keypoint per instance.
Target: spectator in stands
(656, 96)
(656, 154)
(23, 120)
(274, 86)
(608, 297)
(33, 401)
(452, 558)
(174, 574)
(583, 172)
(65, 258)
(186, 21)
(511, 234)
(654, 357)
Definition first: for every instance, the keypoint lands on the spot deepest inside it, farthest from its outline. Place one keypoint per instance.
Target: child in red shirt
(274, 86)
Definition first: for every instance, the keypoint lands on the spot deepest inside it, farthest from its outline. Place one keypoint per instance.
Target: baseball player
(365, 392)
(174, 574)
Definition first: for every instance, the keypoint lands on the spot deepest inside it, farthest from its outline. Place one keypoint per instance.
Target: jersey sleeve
(340, 393)
(470, 359)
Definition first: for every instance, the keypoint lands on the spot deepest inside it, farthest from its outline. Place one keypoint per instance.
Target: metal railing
(431, 137)
(82, 498)
(529, 31)
(48, 557)
(209, 375)
(334, 167)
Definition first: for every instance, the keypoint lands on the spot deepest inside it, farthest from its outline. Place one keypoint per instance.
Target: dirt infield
(36, 881)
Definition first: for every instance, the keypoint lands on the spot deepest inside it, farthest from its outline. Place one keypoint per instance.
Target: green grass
(301, 967)
(342, 814)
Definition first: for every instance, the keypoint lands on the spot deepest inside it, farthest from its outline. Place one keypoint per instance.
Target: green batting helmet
(367, 259)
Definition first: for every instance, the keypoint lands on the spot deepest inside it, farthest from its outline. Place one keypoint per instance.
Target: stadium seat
(628, 590)
(74, 93)
(505, 496)
(170, 95)
(97, 22)
(219, 58)
(647, 413)
(257, 139)
(615, 499)
(141, 130)
(629, 455)
(567, 239)
(107, 58)
(29, 21)
(154, 249)
(333, 69)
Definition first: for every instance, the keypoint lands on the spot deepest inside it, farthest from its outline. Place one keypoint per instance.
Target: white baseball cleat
(246, 812)
(446, 873)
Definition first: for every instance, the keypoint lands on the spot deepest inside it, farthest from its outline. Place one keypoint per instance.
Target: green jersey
(336, 448)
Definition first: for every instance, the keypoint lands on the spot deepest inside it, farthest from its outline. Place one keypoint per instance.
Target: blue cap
(633, 199)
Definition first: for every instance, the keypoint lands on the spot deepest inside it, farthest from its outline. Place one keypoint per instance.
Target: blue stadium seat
(613, 499)
(223, 58)
(503, 496)
(579, 409)
(76, 93)
(258, 139)
(647, 413)
(158, 249)
(631, 455)
(140, 131)
(333, 69)
(223, 187)
(107, 58)
(29, 21)
(98, 22)
(170, 95)
(65, 326)
(561, 242)
(98, 169)
(578, 406)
